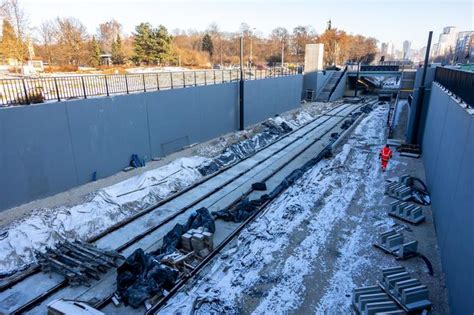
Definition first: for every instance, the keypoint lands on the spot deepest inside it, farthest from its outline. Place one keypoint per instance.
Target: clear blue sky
(386, 20)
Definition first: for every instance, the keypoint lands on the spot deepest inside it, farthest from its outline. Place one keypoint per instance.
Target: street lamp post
(251, 47)
(357, 78)
(241, 86)
(282, 53)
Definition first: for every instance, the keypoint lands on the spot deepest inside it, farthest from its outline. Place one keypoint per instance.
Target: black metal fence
(380, 68)
(459, 82)
(24, 91)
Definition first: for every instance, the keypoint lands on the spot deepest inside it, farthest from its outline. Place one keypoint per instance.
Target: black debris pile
(347, 123)
(244, 148)
(136, 162)
(409, 148)
(260, 186)
(419, 191)
(240, 211)
(366, 108)
(245, 208)
(172, 240)
(142, 276)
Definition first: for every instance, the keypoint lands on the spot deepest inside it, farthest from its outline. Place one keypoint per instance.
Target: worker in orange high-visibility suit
(385, 155)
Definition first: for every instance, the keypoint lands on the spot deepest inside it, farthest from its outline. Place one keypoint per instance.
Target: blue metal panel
(448, 150)
(36, 156)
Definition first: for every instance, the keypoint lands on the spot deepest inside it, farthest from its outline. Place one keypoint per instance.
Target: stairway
(326, 93)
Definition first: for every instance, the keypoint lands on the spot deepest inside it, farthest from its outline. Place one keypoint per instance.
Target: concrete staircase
(325, 94)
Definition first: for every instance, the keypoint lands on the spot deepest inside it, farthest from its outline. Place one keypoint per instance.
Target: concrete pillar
(313, 58)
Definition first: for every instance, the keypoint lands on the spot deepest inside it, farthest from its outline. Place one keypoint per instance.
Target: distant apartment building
(387, 50)
(447, 41)
(464, 50)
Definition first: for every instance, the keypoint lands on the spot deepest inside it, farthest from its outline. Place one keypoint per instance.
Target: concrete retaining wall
(340, 89)
(315, 81)
(430, 73)
(267, 98)
(448, 151)
(49, 148)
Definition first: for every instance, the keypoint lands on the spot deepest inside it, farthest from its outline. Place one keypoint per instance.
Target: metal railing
(341, 75)
(29, 90)
(380, 68)
(458, 82)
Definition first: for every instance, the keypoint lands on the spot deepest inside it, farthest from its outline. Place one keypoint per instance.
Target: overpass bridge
(371, 70)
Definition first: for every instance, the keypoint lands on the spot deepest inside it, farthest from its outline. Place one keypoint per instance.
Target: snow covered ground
(109, 205)
(313, 244)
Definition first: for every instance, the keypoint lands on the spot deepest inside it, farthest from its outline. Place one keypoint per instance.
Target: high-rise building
(446, 42)
(464, 50)
(406, 49)
(387, 50)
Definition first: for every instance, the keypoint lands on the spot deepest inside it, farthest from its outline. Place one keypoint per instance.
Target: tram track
(207, 191)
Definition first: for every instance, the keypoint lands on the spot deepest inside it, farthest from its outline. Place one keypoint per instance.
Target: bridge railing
(459, 82)
(337, 82)
(379, 68)
(34, 90)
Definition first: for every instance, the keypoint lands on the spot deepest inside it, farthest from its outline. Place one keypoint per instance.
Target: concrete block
(204, 252)
(372, 298)
(408, 249)
(358, 292)
(385, 235)
(390, 271)
(197, 242)
(414, 294)
(401, 285)
(389, 281)
(394, 242)
(208, 240)
(378, 307)
(186, 241)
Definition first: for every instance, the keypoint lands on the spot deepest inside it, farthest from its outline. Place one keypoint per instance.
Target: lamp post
(282, 52)
(241, 86)
(251, 47)
(357, 78)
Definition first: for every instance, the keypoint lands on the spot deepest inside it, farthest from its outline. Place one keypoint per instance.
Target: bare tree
(72, 40)
(46, 32)
(301, 36)
(279, 42)
(107, 33)
(15, 15)
(216, 34)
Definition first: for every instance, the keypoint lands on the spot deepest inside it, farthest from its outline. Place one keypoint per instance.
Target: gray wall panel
(340, 89)
(184, 116)
(36, 153)
(316, 81)
(106, 132)
(267, 98)
(448, 150)
(49, 148)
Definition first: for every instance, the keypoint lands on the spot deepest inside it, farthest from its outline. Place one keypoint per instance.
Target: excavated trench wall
(48, 148)
(448, 155)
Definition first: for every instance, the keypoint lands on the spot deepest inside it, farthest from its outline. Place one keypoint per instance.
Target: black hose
(428, 264)
(416, 179)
